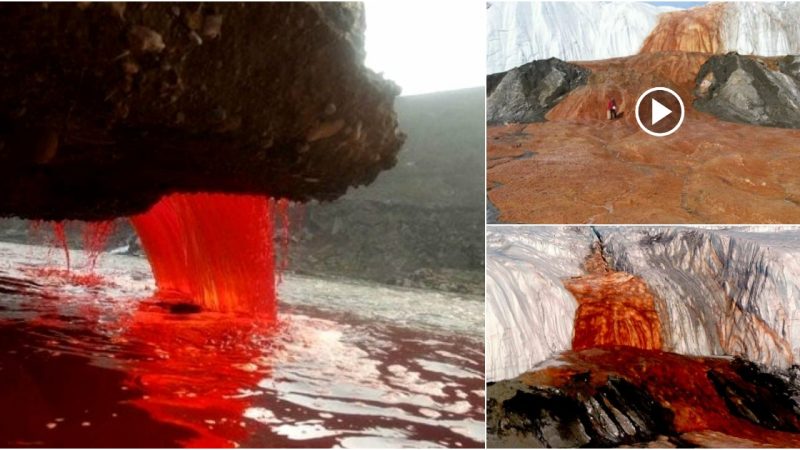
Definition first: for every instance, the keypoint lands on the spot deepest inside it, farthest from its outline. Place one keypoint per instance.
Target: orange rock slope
(579, 167)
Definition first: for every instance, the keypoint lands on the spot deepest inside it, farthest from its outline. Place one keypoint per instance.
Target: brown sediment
(590, 170)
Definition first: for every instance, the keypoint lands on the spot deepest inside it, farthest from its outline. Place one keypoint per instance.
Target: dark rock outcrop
(768, 398)
(105, 107)
(577, 415)
(744, 89)
(527, 92)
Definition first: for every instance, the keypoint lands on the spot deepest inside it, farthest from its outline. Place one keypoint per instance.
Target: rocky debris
(402, 245)
(771, 399)
(577, 415)
(106, 107)
(624, 396)
(526, 93)
(750, 90)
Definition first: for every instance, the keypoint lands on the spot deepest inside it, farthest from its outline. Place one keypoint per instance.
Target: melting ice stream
(349, 364)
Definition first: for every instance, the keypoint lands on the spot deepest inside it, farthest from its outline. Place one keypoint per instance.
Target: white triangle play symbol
(659, 111)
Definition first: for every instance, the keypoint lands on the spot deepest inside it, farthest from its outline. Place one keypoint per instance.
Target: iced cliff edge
(520, 32)
(719, 291)
(529, 313)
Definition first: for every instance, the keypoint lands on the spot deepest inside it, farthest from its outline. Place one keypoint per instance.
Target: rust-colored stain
(677, 382)
(689, 30)
(614, 308)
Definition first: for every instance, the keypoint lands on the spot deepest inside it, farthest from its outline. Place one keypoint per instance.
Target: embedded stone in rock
(105, 109)
(750, 90)
(527, 92)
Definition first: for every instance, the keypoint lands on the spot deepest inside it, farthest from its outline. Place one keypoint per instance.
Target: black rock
(616, 413)
(768, 398)
(526, 93)
(743, 89)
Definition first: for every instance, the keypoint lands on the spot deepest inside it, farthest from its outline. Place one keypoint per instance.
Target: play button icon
(661, 109)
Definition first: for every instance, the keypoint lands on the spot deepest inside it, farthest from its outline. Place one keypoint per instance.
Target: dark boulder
(767, 397)
(526, 93)
(616, 413)
(745, 89)
(104, 107)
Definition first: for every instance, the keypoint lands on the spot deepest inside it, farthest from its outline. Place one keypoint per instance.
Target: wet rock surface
(576, 415)
(620, 396)
(105, 107)
(526, 93)
(749, 90)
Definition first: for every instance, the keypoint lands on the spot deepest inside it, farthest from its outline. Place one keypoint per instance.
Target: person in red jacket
(612, 109)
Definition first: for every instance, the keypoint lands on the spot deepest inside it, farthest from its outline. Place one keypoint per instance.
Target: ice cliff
(520, 32)
(529, 313)
(719, 291)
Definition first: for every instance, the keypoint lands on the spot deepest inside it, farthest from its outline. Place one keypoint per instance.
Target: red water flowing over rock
(214, 250)
(615, 308)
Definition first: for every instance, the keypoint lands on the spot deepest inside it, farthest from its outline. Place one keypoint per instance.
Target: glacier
(761, 28)
(529, 312)
(725, 291)
(520, 32)
(719, 290)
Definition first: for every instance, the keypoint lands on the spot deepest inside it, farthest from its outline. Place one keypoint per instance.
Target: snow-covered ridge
(529, 312)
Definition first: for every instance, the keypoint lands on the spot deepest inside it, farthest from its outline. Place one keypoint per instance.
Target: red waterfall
(214, 250)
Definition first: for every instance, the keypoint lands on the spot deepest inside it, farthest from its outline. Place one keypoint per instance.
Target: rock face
(614, 414)
(743, 89)
(644, 398)
(105, 107)
(527, 92)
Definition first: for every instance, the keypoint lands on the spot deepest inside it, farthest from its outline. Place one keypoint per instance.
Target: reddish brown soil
(677, 382)
(580, 168)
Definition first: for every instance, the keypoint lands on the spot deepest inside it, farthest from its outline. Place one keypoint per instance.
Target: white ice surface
(529, 312)
(520, 32)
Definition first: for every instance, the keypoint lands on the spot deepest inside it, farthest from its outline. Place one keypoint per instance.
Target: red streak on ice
(214, 250)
